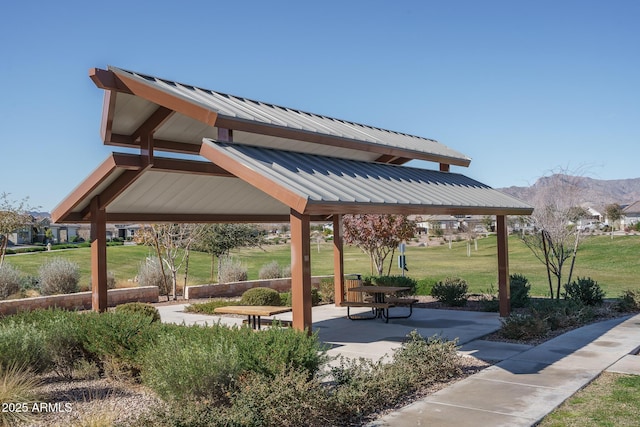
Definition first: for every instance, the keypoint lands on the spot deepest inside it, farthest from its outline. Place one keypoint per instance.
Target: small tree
(377, 235)
(613, 212)
(556, 240)
(13, 216)
(172, 243)
(219, 239)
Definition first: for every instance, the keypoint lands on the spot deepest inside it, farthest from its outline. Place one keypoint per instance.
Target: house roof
(184, 114)
(271, 160)
(632, 209)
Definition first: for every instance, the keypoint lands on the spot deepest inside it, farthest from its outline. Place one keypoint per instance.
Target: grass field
(611, 262)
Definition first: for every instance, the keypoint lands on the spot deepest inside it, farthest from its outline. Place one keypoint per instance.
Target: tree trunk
(546, 258)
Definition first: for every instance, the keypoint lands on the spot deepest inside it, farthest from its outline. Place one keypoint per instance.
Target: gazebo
(261, 162)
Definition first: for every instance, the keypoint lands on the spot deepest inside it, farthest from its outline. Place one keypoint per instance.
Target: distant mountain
(595, 193)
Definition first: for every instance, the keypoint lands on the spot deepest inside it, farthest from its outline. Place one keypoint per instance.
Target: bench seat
(380, 309)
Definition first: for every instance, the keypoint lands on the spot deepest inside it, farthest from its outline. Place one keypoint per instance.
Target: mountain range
(595, 193)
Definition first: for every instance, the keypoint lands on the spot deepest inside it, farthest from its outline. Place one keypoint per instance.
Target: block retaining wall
(79, 300)
(236, 289)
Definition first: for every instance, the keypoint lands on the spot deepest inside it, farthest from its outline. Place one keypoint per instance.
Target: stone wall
(236, 289)
(80, 300)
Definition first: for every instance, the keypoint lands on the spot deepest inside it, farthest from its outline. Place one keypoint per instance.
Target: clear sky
(522, 87)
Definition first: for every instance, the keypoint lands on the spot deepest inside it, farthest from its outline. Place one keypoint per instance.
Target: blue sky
(522, 87)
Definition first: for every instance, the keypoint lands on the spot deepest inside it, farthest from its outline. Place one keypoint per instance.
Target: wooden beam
(225, 135)
(301, 271)
(127, 141)
(107, 80)
(444, 167)
(504, 297)
(108, 111)
(166, 99)
(338, 261)
(333, 141)
(153, 122)
(98, 257)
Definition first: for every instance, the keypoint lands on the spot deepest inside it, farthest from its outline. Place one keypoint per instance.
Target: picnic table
(253, 312)
(381, 304)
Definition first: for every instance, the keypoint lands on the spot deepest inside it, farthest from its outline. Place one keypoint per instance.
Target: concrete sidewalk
(526, 384)
(522, 389)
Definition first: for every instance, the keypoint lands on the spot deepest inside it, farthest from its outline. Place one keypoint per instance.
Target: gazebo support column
(503, 266)
(98, 257)
(301, 270)
(338, 261)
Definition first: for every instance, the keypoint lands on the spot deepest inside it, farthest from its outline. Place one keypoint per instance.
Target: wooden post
(503, 266)
(301, 270)
(98, 256)
(338, 261)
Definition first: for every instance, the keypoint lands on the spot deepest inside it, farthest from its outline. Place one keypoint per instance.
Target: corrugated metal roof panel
(270, 114)
(332, 180)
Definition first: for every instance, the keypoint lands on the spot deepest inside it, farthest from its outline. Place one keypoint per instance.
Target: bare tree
(556, 239)
(13, 217)
(172, 243)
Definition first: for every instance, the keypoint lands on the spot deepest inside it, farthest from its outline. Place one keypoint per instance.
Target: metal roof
(332, 185)
(260, 123)
(245, 183)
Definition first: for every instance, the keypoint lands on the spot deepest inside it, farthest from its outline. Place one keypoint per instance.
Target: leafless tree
(556, 239)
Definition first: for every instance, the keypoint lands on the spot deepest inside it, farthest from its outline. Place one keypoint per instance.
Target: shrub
(559, 314)
(116, 340)
(232, 271)
(451, 291)
(23, 344)
(585, 290)
(519, 289)
(150, 274)
(9, 280)
(270, 271)
(59, 276)
(17, 386)
(424, 286)
(629, 301)
(141, 308)
(289, 399)
(196, 363)
(285, 298)
(522, 327)
(260, 296)
(327, 290)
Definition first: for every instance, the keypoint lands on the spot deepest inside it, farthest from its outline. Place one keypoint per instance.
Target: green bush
(260, 296)
(559, 314)
(139, 307)
(59, 276)
(452, 291)
(271, 270)
(519, 288)
(424, 286)
(585, 290)
(23, 344)
(199, 363)
(150, 274)
(629, 301)
(115, 340)
(285, 298)
(10, 279)
(523, 327)
(207, 362)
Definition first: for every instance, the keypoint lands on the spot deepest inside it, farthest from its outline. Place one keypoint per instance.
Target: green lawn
(610, 400)
(613, 263)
